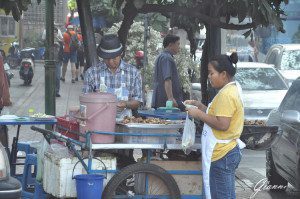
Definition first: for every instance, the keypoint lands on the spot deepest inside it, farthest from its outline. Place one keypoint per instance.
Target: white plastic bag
(188, 137)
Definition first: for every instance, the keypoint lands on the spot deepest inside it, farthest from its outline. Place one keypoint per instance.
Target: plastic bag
(40, 159)
(188, 137)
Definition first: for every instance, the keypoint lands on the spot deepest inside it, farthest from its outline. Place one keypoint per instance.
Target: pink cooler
(101, 110)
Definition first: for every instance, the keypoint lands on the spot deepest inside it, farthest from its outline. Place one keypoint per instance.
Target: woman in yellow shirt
(224, 119)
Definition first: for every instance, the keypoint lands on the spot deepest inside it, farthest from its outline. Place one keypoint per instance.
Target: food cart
(148, 178)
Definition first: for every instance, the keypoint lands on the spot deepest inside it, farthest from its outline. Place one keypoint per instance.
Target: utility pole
(21, 38)
(146, 36)
(49, 60)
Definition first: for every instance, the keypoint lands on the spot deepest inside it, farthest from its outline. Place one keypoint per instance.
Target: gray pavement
(249, 173)
(25, 97)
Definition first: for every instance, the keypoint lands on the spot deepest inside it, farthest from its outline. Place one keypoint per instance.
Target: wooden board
(188, 184)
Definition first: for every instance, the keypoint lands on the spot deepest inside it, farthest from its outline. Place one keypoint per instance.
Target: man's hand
(174, 102)
(121, 105)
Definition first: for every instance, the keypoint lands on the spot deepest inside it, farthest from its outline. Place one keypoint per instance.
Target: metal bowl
(259, 137)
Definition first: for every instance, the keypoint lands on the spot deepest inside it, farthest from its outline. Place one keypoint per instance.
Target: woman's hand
(201, 106)
(191, 102)
(194, 112)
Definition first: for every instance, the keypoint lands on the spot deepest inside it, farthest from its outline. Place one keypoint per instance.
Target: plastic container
(69, 127)
(89, 186)
(149, 129)
(58, 173)
(99, 114)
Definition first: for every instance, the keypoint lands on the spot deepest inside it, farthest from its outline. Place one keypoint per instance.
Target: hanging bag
(189, 130)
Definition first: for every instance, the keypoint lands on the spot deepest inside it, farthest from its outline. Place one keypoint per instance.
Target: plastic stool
(25, 147)
(28, 178)
(39, 192)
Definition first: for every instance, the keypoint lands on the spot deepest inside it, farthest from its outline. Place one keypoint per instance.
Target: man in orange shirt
(69, 54)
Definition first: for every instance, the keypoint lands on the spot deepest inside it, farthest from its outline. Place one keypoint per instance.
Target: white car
(263, 89)
(286, 59)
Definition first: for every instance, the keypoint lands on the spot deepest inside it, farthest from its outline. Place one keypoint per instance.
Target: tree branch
(194, 12)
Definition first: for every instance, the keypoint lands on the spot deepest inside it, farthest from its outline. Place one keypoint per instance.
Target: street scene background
(251, 171)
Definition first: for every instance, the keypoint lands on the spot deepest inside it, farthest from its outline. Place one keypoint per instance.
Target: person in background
(58, 57)
(224, 121)
(69, 54)
(59, 34)
(139, 59)
(80, 56)
(166, 84)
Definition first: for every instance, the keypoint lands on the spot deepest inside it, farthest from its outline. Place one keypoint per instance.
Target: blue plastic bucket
(89, 186)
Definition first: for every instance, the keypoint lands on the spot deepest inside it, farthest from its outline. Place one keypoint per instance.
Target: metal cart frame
(90, 146)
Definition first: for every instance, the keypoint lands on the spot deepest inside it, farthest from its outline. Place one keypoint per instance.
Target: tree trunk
(130, 13)
(211, 47)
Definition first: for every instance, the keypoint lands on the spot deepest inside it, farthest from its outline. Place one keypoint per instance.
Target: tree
(214, 14)
(16, 8)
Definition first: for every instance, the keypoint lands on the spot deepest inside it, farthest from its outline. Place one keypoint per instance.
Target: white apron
(208, 142)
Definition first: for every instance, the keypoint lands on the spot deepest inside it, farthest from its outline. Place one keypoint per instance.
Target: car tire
(273, 177)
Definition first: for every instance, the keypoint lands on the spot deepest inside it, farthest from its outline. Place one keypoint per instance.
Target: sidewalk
(34, 97)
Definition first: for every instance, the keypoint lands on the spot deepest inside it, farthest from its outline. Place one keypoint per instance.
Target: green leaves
(72, 5)
(15, 7)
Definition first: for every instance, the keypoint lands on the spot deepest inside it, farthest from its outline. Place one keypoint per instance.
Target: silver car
(283, 158)
(286, 59)
(263, 89)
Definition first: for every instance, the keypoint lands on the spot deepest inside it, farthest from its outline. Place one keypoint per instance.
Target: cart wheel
(130, 182)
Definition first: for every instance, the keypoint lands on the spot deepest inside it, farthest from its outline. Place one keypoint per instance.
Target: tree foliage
(15, 7)
(184, 62)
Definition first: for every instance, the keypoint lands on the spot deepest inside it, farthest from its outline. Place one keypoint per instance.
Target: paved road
(250, 172)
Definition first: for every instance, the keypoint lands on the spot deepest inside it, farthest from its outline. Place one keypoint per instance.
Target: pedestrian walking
(58, 57)
(166, 84)
(80, 57)
(70, 40)
(224, 121)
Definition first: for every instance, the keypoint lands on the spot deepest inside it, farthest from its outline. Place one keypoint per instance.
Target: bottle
(124, 91)
(103, 87)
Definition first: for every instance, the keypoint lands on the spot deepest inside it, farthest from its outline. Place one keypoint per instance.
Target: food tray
(258, 137)
(49, 117)
(149, 129)
(163, 115)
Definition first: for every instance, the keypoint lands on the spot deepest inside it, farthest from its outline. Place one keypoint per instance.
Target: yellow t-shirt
(227, 103)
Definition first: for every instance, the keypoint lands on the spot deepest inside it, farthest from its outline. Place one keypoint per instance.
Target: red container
(67, 126)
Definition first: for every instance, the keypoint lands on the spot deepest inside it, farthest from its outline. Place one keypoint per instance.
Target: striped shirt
(125, 73)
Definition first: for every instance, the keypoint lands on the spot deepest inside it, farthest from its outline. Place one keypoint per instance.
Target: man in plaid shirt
(114, 71)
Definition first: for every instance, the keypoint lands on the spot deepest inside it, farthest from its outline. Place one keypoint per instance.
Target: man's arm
(169, 92)
(130, 104)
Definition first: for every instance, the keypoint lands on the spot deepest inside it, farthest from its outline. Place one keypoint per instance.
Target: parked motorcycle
(26, 71)
(8, 73)
(14, 57)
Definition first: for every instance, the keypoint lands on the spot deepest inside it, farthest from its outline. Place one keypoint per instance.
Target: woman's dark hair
(225, 63)
(170, 39)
